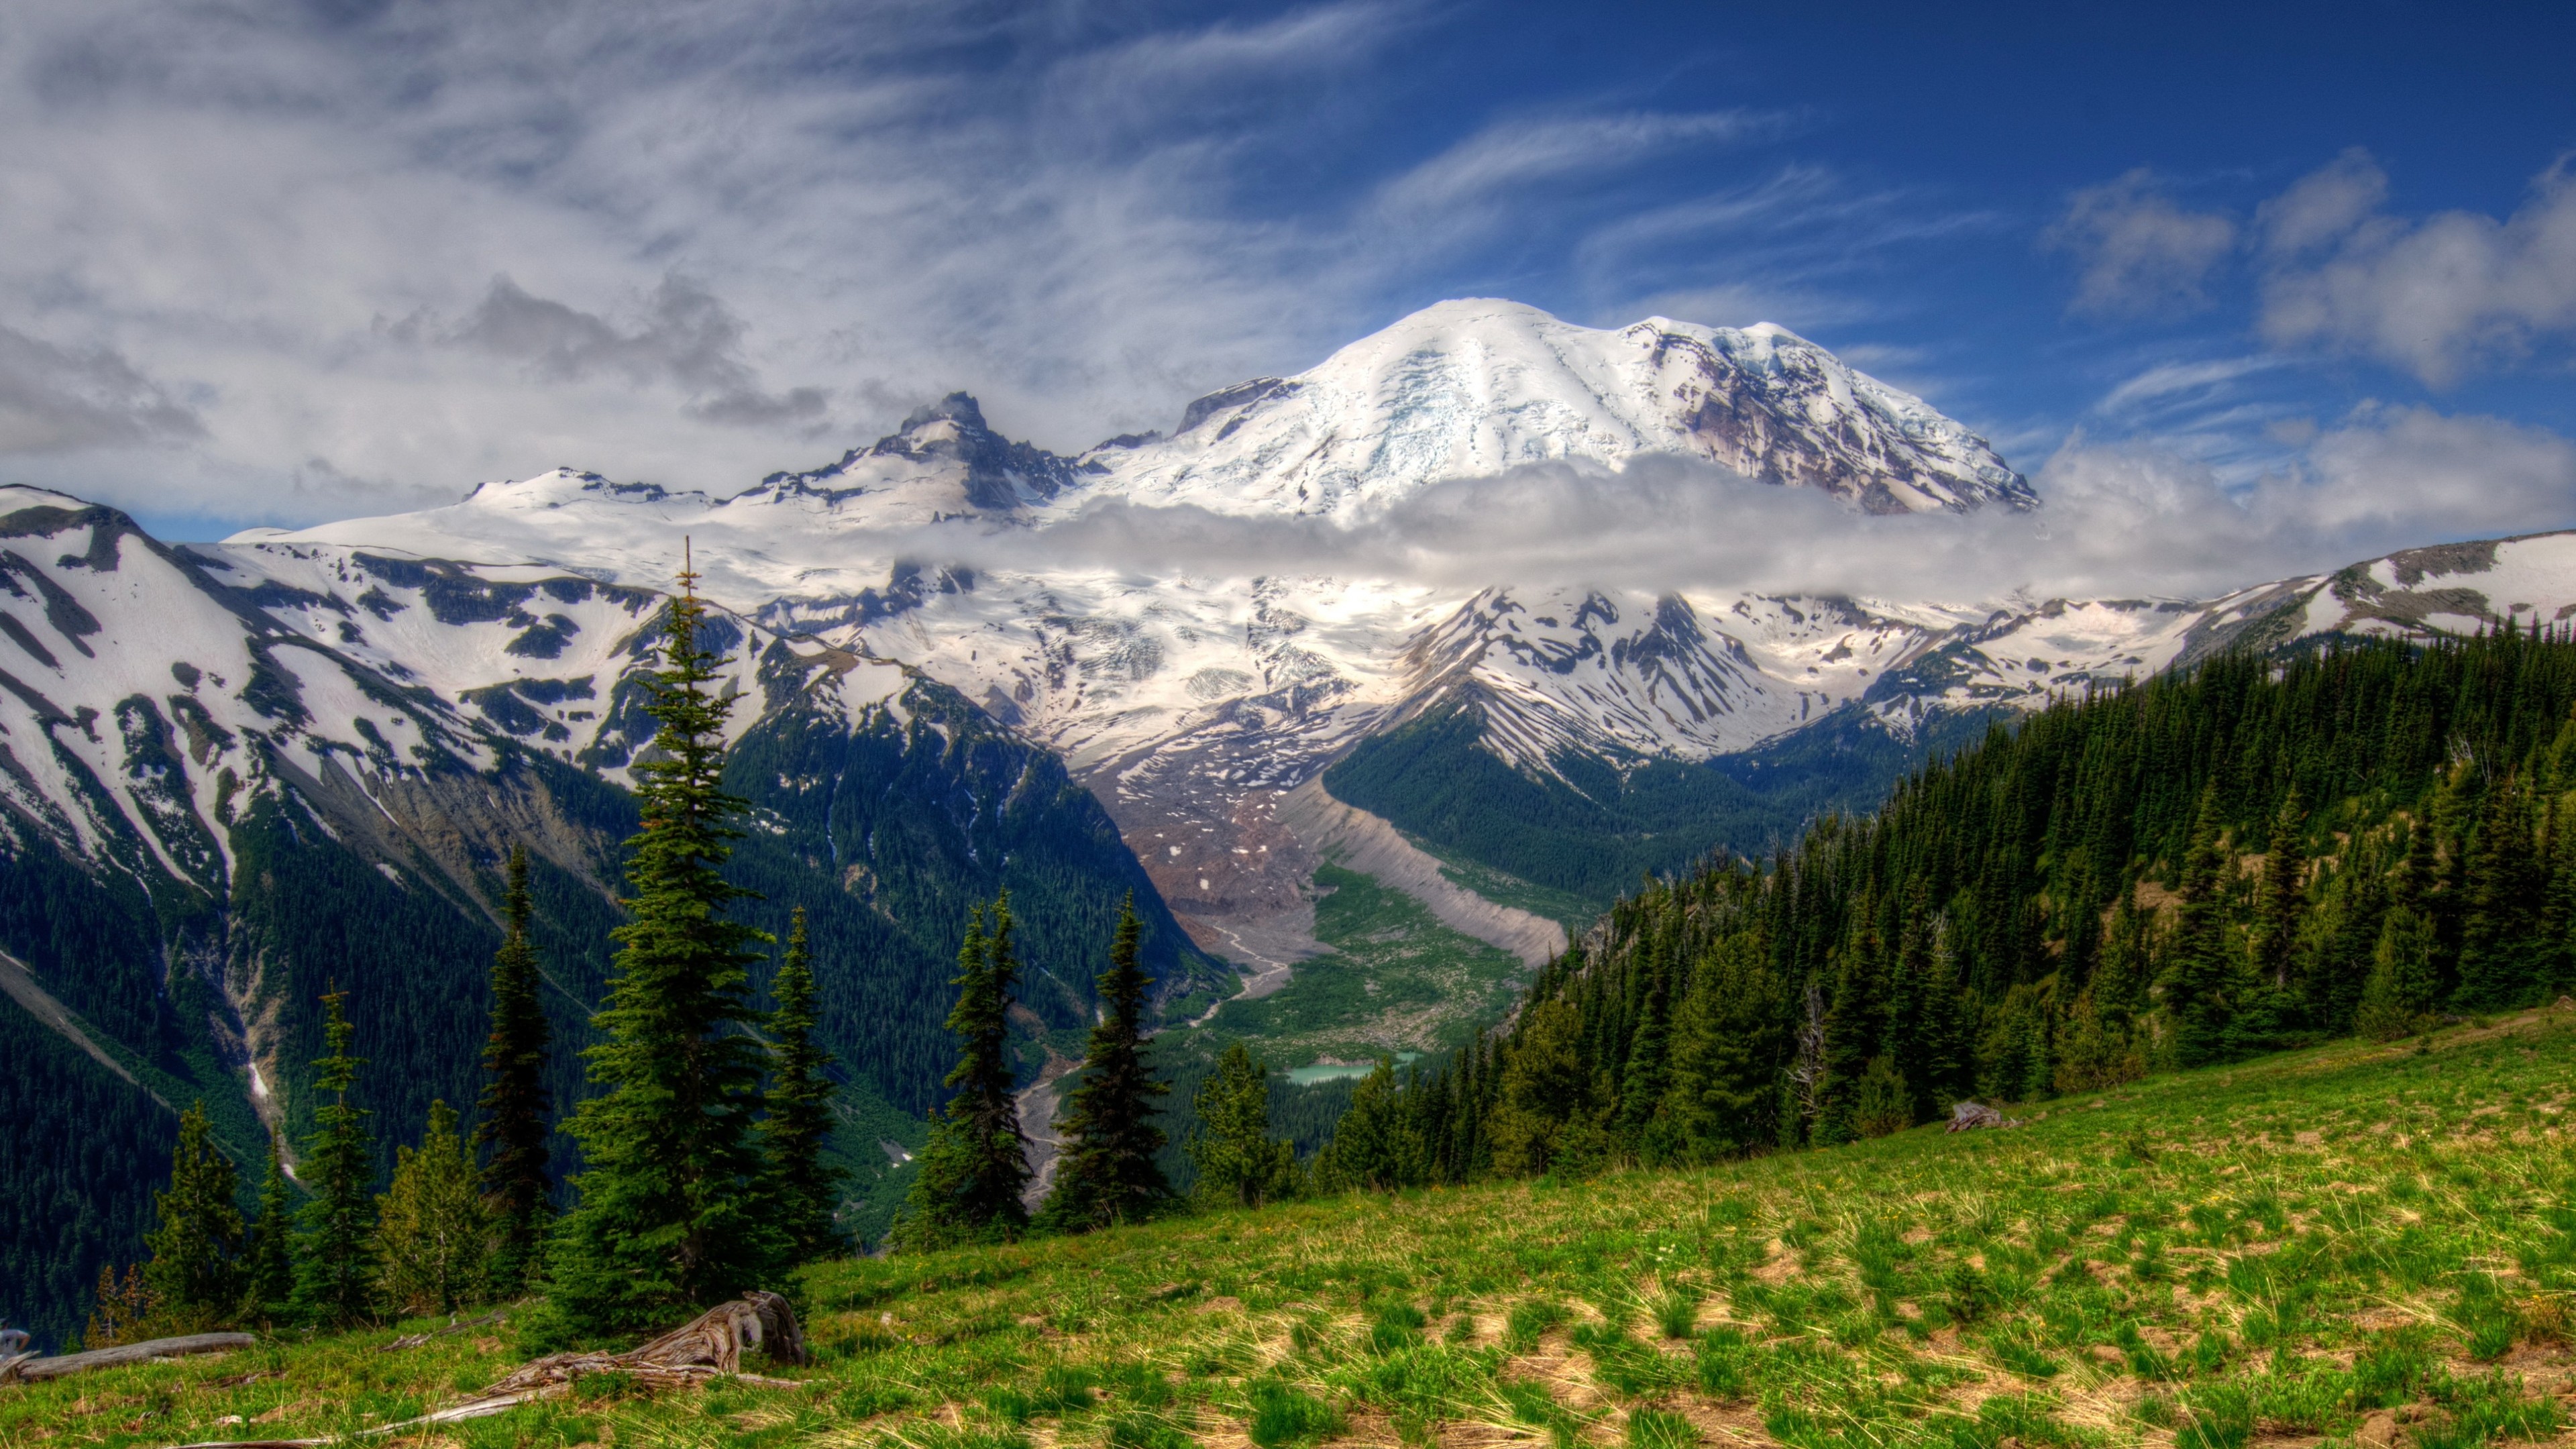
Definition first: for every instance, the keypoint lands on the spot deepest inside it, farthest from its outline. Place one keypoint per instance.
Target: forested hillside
(2195, 869)
(1590, 830)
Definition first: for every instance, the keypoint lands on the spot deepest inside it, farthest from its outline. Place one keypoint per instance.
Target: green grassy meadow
(2359, 1245)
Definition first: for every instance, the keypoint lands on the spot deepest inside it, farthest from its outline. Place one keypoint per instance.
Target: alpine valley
(1356, 810)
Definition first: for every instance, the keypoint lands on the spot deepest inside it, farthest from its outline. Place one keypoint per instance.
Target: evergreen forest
(2372, 838)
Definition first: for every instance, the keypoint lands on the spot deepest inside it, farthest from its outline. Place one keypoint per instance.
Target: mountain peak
(958, 407)
(1474, 386)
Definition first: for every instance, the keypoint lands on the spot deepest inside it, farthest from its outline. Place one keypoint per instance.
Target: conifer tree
(975, 1168)
(1107, 1173)
(268, 1267)
(670, 1200)
(1648, 1071)
(433, 1230)
(1238, 1161)
(2196, 988)
(2279, 899)
(1374, 1146)
(798, 1122)
(1854, 1030)
(2504, 889)
(2120, 983)
(2398, 997)
(513, 1131)
(195, 1272)
(335, 1277)
(2555, 951)
(1546, 1094)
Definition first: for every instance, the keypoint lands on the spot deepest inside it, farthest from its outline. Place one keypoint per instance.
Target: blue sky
(275, 263)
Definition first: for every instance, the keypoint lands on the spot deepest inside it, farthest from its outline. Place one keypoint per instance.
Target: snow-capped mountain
(1470, 388)
(1191, 703)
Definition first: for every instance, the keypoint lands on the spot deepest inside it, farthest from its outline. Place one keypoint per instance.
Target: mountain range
(235, 773)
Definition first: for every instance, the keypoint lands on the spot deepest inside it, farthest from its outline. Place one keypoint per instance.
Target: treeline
(2257, 855)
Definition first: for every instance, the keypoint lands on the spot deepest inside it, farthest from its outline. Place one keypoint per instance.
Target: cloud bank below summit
(2114, 522)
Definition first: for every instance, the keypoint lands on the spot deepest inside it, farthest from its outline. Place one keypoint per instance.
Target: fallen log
(36, 1370)
(705, 1348)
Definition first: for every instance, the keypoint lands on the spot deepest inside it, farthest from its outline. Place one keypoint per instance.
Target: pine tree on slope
(514, 1107)
(1240, 1164)
(2196, 990)
(1107, 1173)
(975, 1168)
(670, 1199)
(799, 1118)
(195, 1272)
(268, 1267)
(335, 1282)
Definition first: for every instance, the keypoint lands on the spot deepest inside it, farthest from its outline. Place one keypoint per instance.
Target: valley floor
(2359, 1244)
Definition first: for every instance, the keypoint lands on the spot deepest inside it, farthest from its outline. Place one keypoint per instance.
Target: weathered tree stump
(1971, 1116)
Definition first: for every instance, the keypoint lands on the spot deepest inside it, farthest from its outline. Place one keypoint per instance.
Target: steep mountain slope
(233, 777)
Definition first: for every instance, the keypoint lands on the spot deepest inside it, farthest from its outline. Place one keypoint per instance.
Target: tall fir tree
(195, 1272)
(798, 1122)
(512, 1133)
(2505, 890)
(1239, 1163)
(268, 1267)
(2204, 962)
(433, 1230)
(2555, 952)
(976, 1167)
(671, 1195)
(335, 1260)
(1375, 1147)
(1107, 1173)
(2404, 982)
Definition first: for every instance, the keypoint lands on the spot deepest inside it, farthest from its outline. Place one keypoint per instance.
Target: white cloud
(722, 227)
(2121, 520)
(2323, 206)
(2437, 297)
(2140, 253)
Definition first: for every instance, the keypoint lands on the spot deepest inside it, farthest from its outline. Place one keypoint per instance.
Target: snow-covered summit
(1473, 387)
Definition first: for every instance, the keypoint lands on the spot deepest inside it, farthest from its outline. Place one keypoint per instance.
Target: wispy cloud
(1489, 166)
(2139, 251)
(2166, 382)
